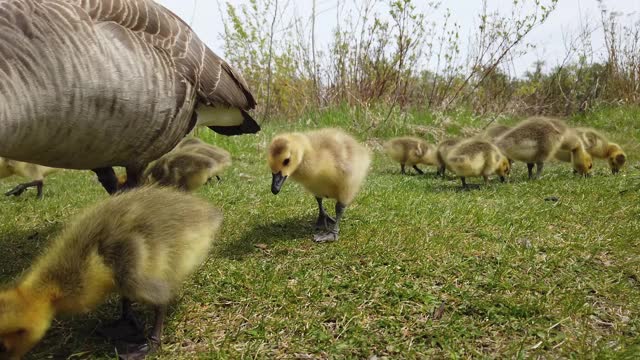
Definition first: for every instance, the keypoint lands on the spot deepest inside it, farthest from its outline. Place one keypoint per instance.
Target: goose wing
(218, 84)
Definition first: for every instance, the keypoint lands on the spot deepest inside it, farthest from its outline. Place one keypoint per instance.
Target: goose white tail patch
(210, 116)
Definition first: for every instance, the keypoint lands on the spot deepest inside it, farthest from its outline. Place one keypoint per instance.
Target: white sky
(549, 39)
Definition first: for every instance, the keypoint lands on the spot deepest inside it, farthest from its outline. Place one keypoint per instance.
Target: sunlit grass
(519, 275)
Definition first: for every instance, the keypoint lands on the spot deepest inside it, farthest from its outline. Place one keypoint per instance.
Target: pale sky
(549, 38)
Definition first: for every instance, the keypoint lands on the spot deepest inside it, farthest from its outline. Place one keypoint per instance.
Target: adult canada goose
(33, 172)
(120, 81)
(141, 245)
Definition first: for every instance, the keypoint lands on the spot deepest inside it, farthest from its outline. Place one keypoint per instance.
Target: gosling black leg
(417, 169)
(20, 188)
(324, 220)
(530, 170)
(467, 187)
(108, 179)
(402, 171)
(126, 328)
(141, 350)
(441, 170)
(332, 235)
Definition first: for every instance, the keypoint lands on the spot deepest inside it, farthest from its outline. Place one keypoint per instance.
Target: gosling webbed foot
(324, 222)
(127, 329)
(324, 237)
(139, 350)
(17, 191)
(469, 187)
(418, 170)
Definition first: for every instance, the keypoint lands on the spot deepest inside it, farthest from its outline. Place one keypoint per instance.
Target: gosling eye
(590, 166)
(286, 162)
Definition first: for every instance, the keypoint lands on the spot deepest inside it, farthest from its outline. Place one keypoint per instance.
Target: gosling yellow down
(328, 163)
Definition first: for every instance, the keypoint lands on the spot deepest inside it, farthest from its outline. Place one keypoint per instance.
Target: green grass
(519, 276)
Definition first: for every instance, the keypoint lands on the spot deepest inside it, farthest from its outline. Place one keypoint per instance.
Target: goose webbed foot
(21, 188)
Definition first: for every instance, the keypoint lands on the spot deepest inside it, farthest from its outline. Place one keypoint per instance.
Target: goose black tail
(248, 126)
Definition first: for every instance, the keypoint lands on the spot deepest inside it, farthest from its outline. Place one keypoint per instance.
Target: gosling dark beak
(502, 179)
(276, 183)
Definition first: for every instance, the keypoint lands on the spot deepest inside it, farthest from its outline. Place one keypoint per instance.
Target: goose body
(329, 163)
(141, 245)
(411, 151)
(475, 157)
(35, 173)
(121, 82)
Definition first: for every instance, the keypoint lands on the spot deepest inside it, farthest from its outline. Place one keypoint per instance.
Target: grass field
(518, 276)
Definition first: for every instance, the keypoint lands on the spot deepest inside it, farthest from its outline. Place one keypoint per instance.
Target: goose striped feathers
(86, 84)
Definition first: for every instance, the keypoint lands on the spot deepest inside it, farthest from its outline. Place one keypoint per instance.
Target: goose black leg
(108, 179)
(331, 235)
(530, 170)
(417, 169)
(324, 220)
(20, 188)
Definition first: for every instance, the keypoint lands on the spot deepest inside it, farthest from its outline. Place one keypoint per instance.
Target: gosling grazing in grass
(476, 157)
(495, 131)
(184, 169)
(442, 151)
(33, 172)
(328, 163)
(197, 146)
(598, 146)
(411, 151)
(141, 244)
(536, 140)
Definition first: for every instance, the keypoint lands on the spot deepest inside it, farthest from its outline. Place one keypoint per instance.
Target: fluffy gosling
(536, 140)
(411, 151)
(328, 163)
(598, 146)
(141, 244)
(476, 157)
(442, 150)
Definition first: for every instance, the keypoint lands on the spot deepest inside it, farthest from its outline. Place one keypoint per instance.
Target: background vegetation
(393, 53)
